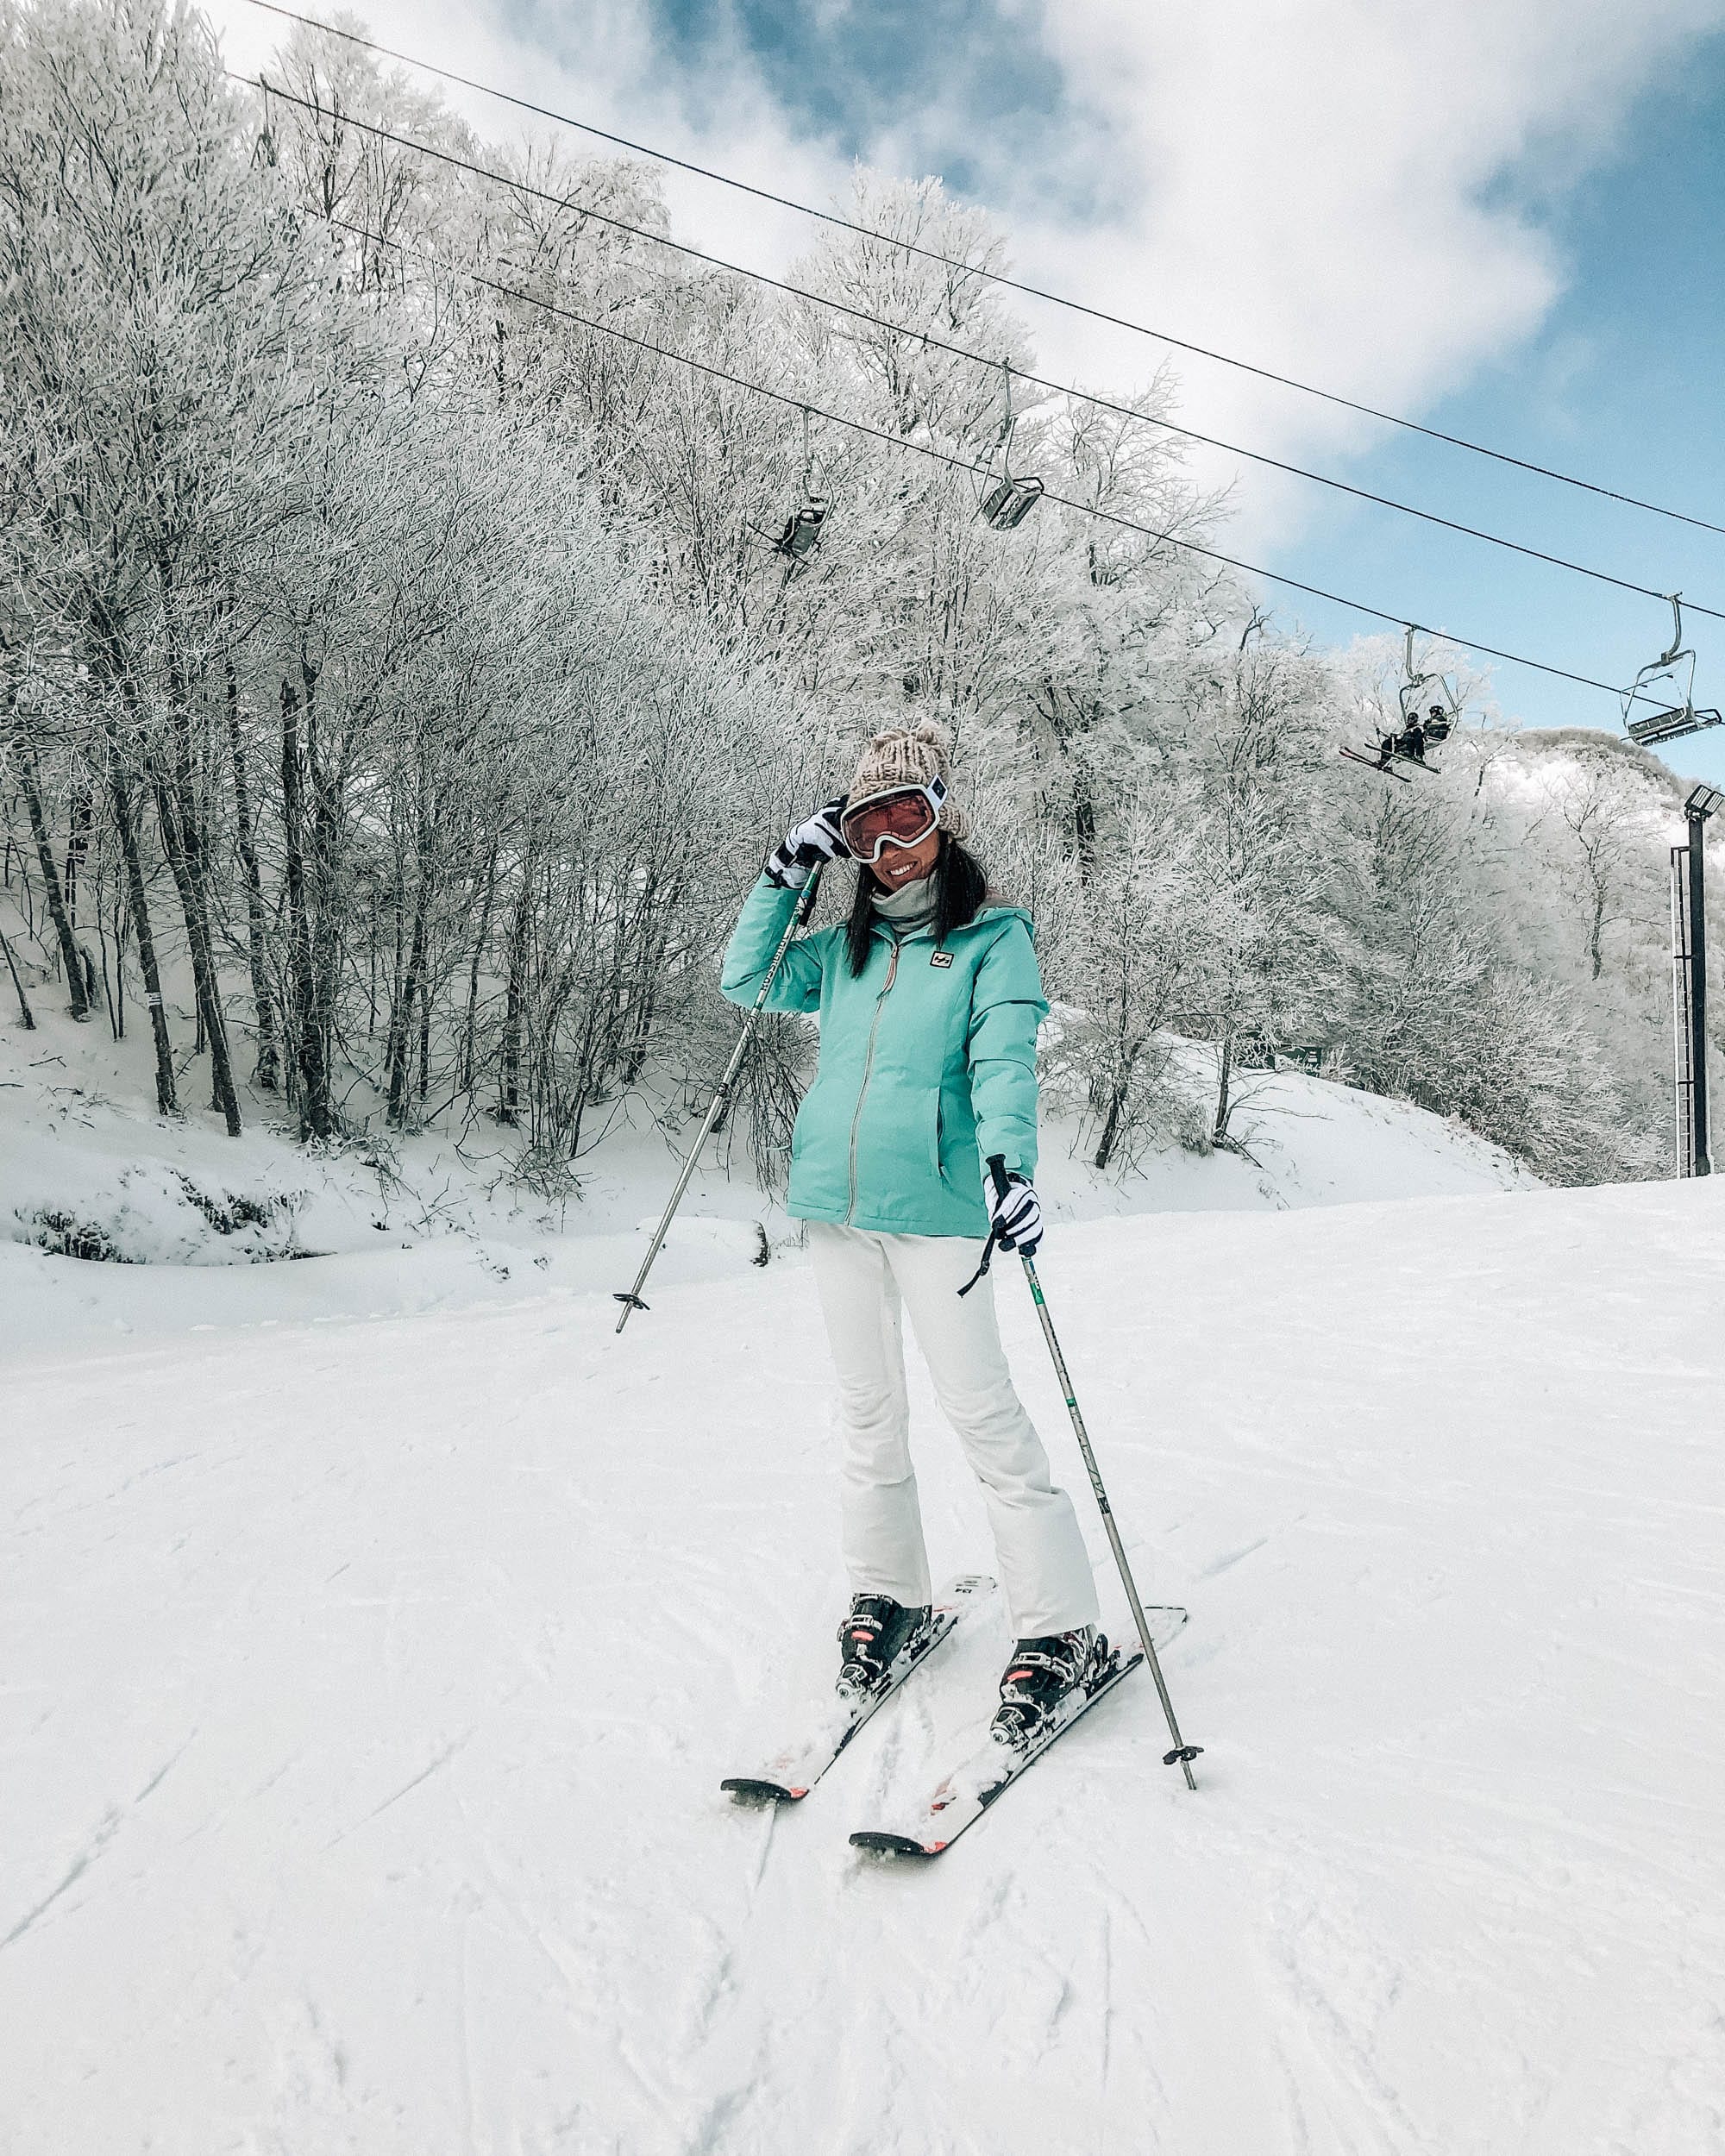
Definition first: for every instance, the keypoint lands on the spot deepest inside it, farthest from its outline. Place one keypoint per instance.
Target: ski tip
(748, 1789)
(882, 1844)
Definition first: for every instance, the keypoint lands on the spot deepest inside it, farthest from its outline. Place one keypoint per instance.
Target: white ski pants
(865, 1280)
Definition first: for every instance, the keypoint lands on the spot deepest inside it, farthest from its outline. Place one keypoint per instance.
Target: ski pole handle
(997, 1163)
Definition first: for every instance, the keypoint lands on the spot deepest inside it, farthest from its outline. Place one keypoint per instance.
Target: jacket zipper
(867, 1067)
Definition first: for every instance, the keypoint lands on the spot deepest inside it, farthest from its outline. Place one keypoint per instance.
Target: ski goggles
(903, 818)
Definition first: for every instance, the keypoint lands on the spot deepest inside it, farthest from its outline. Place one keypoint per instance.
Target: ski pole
(631, 1299)
(1183, 1754)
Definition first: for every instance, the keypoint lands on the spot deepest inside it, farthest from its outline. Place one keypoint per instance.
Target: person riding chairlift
(1410, 744)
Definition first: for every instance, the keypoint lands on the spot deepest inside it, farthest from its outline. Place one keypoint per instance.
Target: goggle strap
(934, 792)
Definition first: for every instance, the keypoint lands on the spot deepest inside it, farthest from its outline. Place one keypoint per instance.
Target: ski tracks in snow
(362, 1763)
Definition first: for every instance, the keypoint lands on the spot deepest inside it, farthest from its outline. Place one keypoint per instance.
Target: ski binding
(965, 1794)
(790, 1777)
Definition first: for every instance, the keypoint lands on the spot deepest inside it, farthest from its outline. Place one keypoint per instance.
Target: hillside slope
(437, 1220)
(369, 1686)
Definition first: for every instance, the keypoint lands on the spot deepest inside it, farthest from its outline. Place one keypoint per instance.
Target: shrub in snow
(62, 1236)
(149, 1213)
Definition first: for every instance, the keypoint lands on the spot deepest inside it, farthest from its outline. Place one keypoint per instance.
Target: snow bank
(369, 1686)
(435, 1221)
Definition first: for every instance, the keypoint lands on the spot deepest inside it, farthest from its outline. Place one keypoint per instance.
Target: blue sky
(852, 73)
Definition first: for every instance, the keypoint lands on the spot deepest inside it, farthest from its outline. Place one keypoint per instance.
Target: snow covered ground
(368, 1687)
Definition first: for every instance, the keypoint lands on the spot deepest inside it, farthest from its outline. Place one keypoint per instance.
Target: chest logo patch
(941, 958)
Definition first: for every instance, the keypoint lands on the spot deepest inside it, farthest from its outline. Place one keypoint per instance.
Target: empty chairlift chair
(1674, 667)
(1009, 496)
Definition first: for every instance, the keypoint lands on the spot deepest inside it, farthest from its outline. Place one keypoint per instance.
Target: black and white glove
(805, 846)
(1018, 1215)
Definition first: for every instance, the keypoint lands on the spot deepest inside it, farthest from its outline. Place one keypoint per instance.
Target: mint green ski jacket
(927, 1064)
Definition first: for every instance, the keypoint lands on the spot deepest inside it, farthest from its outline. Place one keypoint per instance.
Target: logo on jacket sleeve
(941, 958)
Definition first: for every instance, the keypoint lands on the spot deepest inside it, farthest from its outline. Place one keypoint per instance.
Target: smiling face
(900, 865)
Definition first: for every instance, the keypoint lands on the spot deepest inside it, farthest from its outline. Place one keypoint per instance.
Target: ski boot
(1042, 1674)
(872, 1638)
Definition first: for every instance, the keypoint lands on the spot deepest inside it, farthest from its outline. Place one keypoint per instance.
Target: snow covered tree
(396, 668)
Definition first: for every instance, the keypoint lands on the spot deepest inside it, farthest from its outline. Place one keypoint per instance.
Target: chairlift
(1421, 729)
(1010, 496)
(1673, 664)
(1438, 719)
(802, 536)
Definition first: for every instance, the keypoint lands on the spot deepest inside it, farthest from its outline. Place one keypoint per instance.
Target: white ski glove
(805, 845)
(1018, 1215)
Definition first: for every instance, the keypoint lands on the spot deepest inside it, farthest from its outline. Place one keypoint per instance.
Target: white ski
(794, 1772)
(963, 1795)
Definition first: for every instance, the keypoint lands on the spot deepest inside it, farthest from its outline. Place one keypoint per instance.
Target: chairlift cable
(963, 464)
(992, 277)
(959, 351)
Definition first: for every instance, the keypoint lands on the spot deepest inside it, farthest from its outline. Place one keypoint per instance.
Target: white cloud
(1331, 189)
(1334, 189)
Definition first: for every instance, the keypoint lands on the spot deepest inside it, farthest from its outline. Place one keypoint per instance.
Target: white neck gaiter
(910, 907)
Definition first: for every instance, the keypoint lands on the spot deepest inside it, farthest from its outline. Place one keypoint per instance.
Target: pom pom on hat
(909, 755)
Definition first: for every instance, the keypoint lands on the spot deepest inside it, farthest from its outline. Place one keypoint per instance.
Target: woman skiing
(929, 999)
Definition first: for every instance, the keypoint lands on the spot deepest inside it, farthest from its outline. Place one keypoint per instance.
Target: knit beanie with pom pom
(909, 755)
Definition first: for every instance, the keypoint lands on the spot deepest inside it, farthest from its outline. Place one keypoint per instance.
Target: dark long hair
(961, 888)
